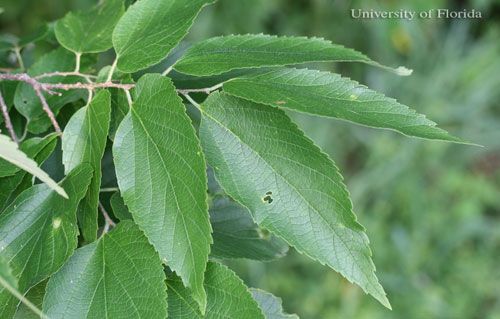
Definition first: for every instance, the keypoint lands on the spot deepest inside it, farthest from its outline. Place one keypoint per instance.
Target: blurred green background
(431, 209)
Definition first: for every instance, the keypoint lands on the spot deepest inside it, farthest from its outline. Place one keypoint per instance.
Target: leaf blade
(39, 149)
(330, 95)
(89, 31)
(119, 276)
(270, 305)
(227, 297)
(150, 29)
(38, 232)
(10, 153)
(84, 140)
(223, 54)
(165, 194)
(304, 202)
(237, 236)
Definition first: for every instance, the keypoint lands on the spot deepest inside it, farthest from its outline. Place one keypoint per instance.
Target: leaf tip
(384, 301)
(62, 192)
(403, 71)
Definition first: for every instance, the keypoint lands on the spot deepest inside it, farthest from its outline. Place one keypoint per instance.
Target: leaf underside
(237, 236)
(223, 54)
(227, 297)
(265, 162)
(330, 95)
(10, 152)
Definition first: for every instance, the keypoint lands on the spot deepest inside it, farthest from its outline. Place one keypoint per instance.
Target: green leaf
(270, 305)
(38, 233)
(119, 108)
(84, 140)
(265, 162)
(10, 153)
(161, 175)
(119, 276)
(8, 284)
(227, 297)
(36, 36)
(237, 236)
(36, 148)
(150, 29)
(330, 95)
(90, 31)
(120, 210)
(35, 296)
(223, 54)
(27, 102)
(6, 276)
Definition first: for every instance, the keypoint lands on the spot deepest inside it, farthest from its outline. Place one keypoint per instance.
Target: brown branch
(41, 87)
(73, 73)
(46, 108)
(107, 219)
(6, 117)
(86, 86)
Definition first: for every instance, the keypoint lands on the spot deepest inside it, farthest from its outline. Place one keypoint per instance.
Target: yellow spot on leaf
(56, 223)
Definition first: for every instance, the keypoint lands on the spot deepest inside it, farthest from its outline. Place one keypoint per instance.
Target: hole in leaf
(268, 198)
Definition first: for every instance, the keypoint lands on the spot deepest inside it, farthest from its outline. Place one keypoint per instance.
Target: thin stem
(109, 190)
(17, 52)
(40, 88)
(203, 90)
(73, 73)
(191, 100)
(91, 93)
(85, 86)
(129, 98)
(167, 71)
(46, 108)
(77, 62)
(6, 117)
(112, 70)
(23, 299)
(107, 219)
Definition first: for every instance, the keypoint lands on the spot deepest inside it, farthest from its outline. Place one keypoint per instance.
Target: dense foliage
(259, 157)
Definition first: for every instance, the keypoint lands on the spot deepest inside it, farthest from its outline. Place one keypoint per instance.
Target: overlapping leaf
(270, 305)
(119, 276)
(10, 153)
(150, 29)
(237, 236)
(39, 150)
(161, 175)
(35, 296)
(27, 102)
(227, 297)
(223, 54)
(90, 31)
(265, 162)
(38, 233)
(120, 210)
(327, 94)
(83, 141)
